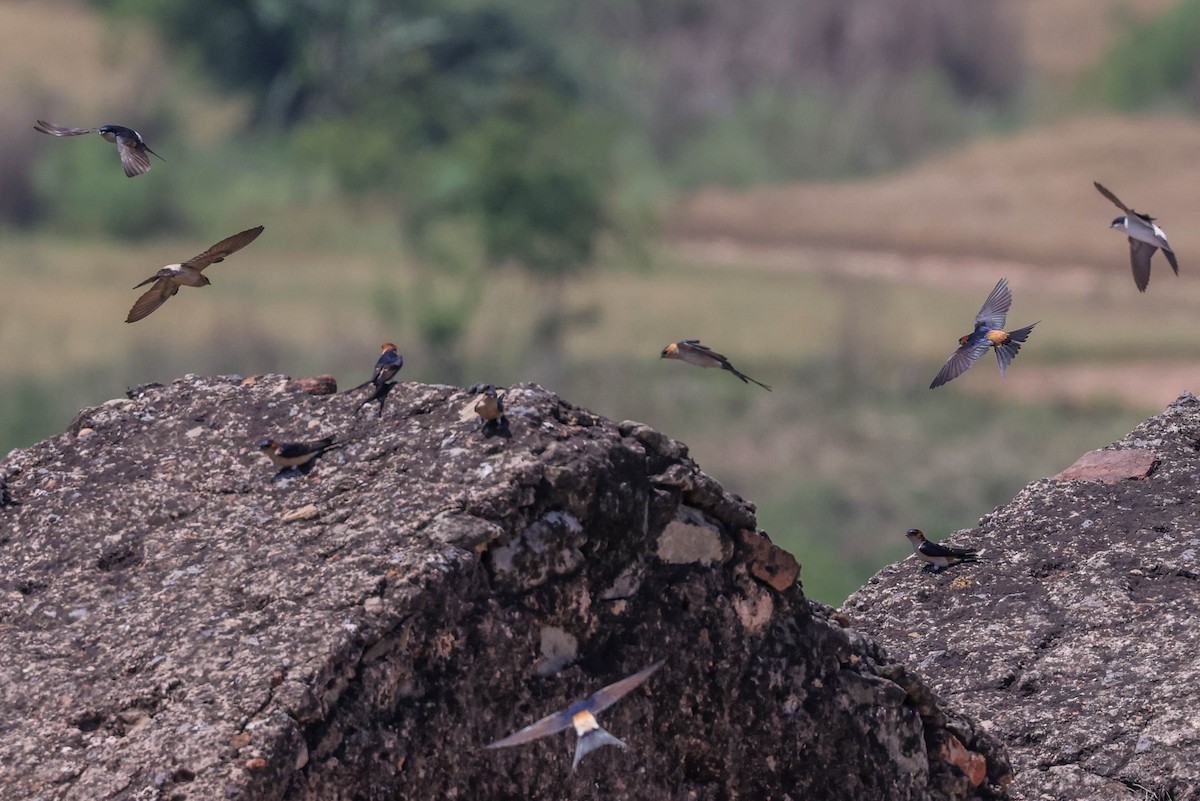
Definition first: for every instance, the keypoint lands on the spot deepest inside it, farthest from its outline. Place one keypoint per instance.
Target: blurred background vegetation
(521, 190)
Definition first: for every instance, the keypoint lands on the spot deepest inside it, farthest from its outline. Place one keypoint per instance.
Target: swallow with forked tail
(190, 273)
(130, 145)
(939, 557)
(386, 367)
(1145, 237)
(692, 352)
(582, 716)
(989, 333)
(293, 455)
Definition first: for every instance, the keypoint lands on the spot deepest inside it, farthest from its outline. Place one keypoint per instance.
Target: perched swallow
(286, 455)
(1145, 237)
(989, 333)
(692, 352)
(582, 716)
(6, 498)
(386, 367)
(130, 145)
(190, 273)
(939, 557)
(490, 407)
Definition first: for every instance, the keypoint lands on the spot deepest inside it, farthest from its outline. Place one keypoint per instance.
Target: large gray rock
(1076, 639)
(179, 623)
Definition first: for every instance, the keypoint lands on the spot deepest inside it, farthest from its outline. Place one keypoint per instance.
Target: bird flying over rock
(938, 557)
(130, 145)
(692, 352)
(1145, 237)
(582, 716)
(989, 333)
(190, 273)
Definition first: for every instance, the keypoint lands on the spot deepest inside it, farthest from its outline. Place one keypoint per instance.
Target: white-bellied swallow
(989, 333)
(1145, 237)
(190, 273)
(692, 352)
(938, 556)
(130, 145)
(582, 716)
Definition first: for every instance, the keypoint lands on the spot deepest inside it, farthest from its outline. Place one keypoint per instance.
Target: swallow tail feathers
(591, 740)
(1170, 254)
(1007, 351)
(745, 378)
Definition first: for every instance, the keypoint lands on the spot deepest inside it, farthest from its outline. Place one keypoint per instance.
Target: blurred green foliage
(1157, 63)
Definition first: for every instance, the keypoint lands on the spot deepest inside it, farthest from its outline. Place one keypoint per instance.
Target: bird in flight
(989, 333)
(130, 145)
(692, 352)
(1145, 237)
(582, 716)
(190, 273)
(938, 556)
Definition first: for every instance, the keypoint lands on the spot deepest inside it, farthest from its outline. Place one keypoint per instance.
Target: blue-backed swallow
(130, 145)
(293, 455)
(938, 556)
(190, 273)
(386, 367)
(582, 716)
(989, 333)
(692, 352)
(1145, 237)
(490, 407)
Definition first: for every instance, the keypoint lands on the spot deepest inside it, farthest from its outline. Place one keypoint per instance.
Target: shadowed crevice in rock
(180, 623)
(1074, 640)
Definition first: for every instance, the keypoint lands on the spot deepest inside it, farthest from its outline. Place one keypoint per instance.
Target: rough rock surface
(177, 622)
(1076, 639)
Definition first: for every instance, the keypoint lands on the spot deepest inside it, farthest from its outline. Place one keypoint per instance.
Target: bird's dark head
(916, 534)
(963, 339)
(204, 280)
(1118, 222)
(490, 391)
(268, 444)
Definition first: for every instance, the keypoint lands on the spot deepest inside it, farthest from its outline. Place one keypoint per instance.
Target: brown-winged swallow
(1145, 237)
(130, 145)
(582, 716)
(190, 273)
(293, 455)
(692, 352)
(938, 556)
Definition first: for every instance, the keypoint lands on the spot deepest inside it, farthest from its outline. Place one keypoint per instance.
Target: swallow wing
(1116, 200)
(995, 308)
(133, 157)
(958, 362)
(58, 130)
(551, 724)
(224, 248)
(603, 699)
(933, 549)
(151, 299)
(1139, 258)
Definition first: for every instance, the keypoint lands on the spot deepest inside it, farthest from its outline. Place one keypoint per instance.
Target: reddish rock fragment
(314, 385)
(768, 562)
(1111, 466)
(973, 765)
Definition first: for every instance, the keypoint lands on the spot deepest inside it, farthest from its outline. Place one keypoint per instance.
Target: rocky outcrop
(179, 622)
(1075, 640)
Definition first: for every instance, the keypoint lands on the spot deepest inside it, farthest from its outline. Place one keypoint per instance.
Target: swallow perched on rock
(939, 557)
(293, 455)
(386, 367)
(1145, 237)
(582, 716)
(692, 352)
(490, 407)
(6, 498)
(989, 333)
(130, 145)
(190, 273)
